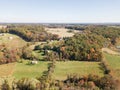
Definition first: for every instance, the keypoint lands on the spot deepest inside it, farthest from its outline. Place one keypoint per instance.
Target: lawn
(114, 63)
(15, 42)
(82, 68)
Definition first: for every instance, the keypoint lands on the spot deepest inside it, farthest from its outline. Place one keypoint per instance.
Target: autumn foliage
(8, 55)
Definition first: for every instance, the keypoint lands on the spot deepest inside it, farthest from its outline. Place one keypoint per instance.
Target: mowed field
(12, 41)
(114, 63)
(31, 71)
(62, 69)
(77, 67)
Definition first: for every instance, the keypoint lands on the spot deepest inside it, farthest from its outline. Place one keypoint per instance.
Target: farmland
(62, 32)
(19, 70)
(62, 69)
(60, 45)
(68, 59)
(31, 71)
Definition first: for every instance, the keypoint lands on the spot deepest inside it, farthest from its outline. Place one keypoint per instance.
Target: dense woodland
(107, 31)
(75, 27)
(82, 47)
(110, 33)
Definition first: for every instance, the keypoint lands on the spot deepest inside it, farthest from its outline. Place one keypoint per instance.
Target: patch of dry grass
(7, 69)
(62, 32)
(109, 51)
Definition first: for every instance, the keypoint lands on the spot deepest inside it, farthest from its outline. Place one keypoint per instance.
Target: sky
(60, 11)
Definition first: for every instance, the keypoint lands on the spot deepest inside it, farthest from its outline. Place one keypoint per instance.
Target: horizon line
(61, 22)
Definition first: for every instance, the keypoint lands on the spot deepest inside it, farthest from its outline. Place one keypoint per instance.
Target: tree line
(30, 32)
(110, 33)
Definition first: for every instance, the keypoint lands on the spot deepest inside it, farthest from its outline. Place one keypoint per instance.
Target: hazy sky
(60, 11)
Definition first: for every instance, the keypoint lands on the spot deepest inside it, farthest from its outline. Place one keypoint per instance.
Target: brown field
(7, 69)
(62, 32)
(109, 51)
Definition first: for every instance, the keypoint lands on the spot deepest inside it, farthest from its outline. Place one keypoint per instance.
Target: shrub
(5, 86)
(26, 84)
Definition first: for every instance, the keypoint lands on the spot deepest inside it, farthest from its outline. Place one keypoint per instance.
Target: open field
(62, 69)
(12, 40)
(62, 32)
(19, 70)
(76, 67)
(30, 71)
(114, 63)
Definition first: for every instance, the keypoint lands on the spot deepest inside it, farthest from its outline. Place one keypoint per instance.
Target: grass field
(15, 42)
(30, 71)
(82, 68)
(114, 63)
(62, 69)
